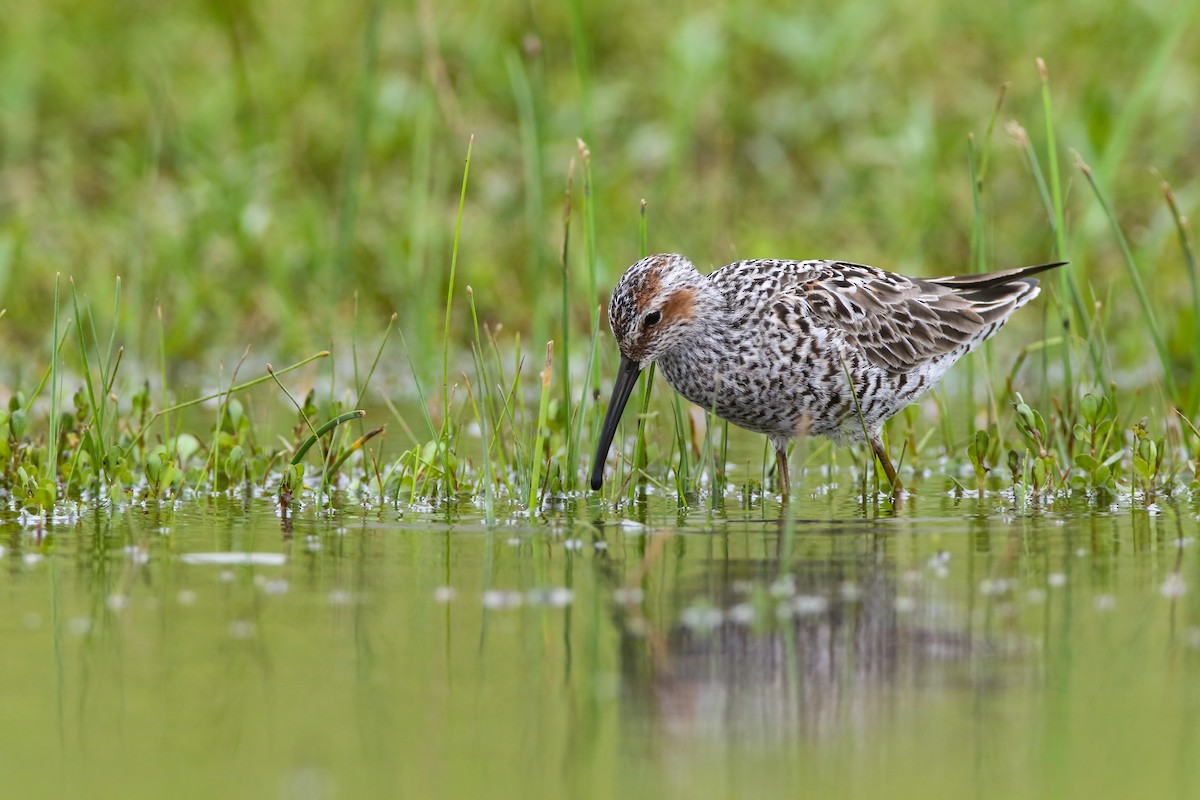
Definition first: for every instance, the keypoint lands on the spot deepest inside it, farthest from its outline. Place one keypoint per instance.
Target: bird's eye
(653, 318)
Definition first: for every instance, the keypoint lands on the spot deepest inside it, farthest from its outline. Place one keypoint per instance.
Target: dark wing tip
(986, 280)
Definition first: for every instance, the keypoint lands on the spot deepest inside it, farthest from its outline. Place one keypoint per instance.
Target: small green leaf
(185, 446)
(18, 423)
(153, 469)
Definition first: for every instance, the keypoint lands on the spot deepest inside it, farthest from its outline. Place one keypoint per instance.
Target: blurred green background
(250, 166)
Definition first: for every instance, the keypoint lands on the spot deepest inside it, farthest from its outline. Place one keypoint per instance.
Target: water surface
(948, 647)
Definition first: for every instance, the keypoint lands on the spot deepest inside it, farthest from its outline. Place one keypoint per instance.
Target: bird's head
(653, 307)
(653, 311)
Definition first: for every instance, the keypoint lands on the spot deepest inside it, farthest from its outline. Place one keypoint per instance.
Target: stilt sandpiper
(790, 348)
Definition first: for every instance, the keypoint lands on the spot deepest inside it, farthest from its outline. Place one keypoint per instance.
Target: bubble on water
(186, 597)
(32, 620)
(501, 598)
(275, 587)
(226, 576)
(340, 597)
(905, 604)
(117, 602)
(995, 586)
(514, 542)
(629, 596)
(851, 592)
(1035, 596)
(1105, 602)
(1056, 580)
(307, 783)
(741, 614)
(600, 544)
(79, 625)
(556, 597)
(226, 559)
(1173, 586)
(701, 618)
(137, 555)
(573, 545)
(31, 558)
(784, 587)
(242, 629)
(807, 605)
(444, 594)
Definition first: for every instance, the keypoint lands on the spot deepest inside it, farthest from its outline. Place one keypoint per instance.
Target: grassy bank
(290, 181)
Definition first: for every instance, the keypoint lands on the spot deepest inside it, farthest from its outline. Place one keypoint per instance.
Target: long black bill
(627, 376)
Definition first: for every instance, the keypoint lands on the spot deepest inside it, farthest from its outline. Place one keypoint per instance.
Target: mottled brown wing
(901, 323)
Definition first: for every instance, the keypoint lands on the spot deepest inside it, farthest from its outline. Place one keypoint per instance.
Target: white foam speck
(628, 596)
(235, 559)
(809, 604)
(242, 629)
(500, 598)
(742, 614)
(1174, 586)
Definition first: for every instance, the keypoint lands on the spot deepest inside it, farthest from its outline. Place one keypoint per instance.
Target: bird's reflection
(741, 650)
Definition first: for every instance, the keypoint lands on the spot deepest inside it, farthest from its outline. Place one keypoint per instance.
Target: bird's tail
(990, 280)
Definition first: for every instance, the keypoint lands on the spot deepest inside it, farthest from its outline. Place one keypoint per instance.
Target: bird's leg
(889, 470)
(781, 472)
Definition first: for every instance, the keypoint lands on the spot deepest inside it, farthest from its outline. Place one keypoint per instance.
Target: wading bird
(790, 348)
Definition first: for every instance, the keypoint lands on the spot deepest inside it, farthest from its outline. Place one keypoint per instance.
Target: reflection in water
(756, 654)
(389, 655)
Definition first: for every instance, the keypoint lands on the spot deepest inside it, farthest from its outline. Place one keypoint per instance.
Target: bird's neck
(694, 366)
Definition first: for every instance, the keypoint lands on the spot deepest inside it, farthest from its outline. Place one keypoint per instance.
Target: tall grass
(1149, 317)
(257, 208)
(1183, 232)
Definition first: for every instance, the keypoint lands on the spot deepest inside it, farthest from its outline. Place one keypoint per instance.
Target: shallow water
(951, 647)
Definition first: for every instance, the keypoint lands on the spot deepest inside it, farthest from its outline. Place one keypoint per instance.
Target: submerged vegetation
(240, 206)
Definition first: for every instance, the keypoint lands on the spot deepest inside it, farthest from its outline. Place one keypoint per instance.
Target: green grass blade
(1149, 317)
(535, 457)
(564, 332)
(321, 431)
(462, 201)
(352, 168)
(1189, 258)
(55, 398)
